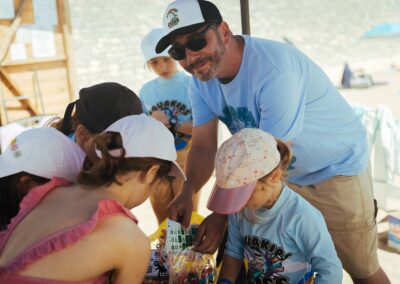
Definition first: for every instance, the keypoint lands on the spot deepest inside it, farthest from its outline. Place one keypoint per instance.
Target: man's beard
(215, 60)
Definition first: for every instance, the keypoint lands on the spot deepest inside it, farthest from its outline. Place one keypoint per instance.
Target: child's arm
(161, 116)
(230, 268)
(185, 127)
(234, 251)
(313, 238)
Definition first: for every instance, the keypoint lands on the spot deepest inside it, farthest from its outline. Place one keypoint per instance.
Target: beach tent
(386, 29)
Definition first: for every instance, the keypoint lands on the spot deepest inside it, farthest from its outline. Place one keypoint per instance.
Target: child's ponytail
(286, 154)
(112, 161)
(104, 170)
(286, 157)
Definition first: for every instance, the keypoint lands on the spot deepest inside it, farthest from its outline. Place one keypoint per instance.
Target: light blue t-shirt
(287, 243)
(168, 95)
(280, 90)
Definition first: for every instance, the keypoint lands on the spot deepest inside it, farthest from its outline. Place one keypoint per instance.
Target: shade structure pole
(245, 15)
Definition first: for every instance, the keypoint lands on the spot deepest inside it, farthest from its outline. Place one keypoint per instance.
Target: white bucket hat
(149, 42)
(247, 156)
(145, 137)
(43, 152)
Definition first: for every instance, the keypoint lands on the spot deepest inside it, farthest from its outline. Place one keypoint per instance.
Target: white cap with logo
(186, 16)
(44, 152)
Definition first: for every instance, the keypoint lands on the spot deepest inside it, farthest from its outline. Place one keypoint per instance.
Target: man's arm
(199, 167)
(201, 157)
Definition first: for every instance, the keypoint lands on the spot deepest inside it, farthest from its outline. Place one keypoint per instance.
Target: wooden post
(245, 16)
(8, 82)
(11, 32)
(63, 11)
(56, 72)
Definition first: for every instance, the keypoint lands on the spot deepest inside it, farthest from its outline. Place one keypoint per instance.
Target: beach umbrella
(245, 16)
(386, 29)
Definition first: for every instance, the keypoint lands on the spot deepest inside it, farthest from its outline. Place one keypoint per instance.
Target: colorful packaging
(394, 231)
(189, 266)
(157, 271)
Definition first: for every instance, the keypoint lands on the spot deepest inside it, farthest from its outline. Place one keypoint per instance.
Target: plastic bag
(188, 266)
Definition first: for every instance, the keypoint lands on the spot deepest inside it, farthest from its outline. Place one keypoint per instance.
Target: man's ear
(225, 32)
(150, 175)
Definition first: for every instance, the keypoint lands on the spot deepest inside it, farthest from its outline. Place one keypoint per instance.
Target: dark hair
(104, 170)
(101, 105)
(73, 124)
(11, 195)
(286, 158)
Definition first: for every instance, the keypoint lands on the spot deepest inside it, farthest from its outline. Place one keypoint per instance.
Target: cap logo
(14, 148)
(172, 17)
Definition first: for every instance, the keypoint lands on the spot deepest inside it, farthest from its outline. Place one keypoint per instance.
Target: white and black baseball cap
(186, 16)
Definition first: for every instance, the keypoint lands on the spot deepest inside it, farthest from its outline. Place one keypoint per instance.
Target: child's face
(265, 193)
(260, 196)
(164, 66)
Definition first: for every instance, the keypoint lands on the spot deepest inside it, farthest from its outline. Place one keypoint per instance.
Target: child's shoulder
(183, 77)
(147, 87)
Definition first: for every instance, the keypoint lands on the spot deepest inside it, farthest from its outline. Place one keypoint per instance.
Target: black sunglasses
(195, 43)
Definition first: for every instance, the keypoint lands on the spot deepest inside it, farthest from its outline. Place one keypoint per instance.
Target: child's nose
(163, 66)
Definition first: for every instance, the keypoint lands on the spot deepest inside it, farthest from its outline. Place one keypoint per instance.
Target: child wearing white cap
(282, 236)
(83, 232)
(33, 158)
(166, 99)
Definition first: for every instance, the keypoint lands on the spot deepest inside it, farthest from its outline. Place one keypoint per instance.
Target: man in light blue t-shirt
(249, 82)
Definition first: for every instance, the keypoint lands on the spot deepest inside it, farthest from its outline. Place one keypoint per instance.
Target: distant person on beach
(97, 108)
(166, 99)
(358, 79)
(33, 158)
(269, 224)
(82, 233)
(248, 82)
(346, 77)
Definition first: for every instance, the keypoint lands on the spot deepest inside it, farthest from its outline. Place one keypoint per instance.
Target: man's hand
(180, 209)
(210, 233)
(162, 117)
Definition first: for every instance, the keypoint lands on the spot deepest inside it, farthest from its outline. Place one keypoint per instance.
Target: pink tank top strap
(22, 279)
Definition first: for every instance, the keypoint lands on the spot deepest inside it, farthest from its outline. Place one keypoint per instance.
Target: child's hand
(163, 237)
(161, 116)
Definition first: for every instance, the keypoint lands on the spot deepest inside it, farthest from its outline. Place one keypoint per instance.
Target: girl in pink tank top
(81, 233)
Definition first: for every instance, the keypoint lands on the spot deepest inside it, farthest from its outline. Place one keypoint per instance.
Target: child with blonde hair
(166, 99)
(283, 237)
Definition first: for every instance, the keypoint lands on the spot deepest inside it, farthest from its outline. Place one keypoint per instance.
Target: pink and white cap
(247, 156)
(146, 137)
